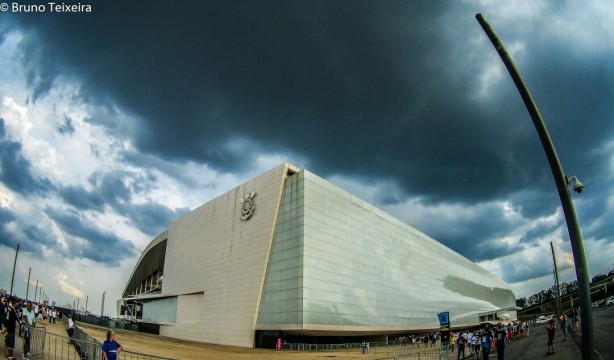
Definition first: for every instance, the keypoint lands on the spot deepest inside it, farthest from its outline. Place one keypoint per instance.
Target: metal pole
(87, 298)
(102, 307)
(14, 263)
(575, 236)
(28, 286)
(556, 282)
(35, 290)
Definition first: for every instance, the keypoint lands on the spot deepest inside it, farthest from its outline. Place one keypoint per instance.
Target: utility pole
(28, 283)
(14, 263)
(556, 282)
(102, 307)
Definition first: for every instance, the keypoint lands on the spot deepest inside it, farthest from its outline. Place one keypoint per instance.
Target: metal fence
(385, 346)
(445, 352)
(48, 346)
(389, 350)
(441, 353)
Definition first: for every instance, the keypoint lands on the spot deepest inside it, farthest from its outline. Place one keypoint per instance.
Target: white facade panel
(213, 253)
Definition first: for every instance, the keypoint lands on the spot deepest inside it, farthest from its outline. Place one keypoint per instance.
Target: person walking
(486, 342)
(29, 320)
(564, 325)
(3, 318)
(477, 339)
(111, 348)
(551, 329)
(11, 325)
(2, 309)
(500, 337)
(461, 342)
(452, 341)
(70, 328)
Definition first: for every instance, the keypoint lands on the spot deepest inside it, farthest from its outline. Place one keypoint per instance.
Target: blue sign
(444, 318)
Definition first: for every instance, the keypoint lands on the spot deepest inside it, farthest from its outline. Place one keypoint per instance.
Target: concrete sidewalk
(535, 346)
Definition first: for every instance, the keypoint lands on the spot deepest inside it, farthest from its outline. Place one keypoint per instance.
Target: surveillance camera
(578, 187)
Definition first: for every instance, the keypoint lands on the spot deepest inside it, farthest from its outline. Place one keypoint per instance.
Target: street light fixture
(562, 184)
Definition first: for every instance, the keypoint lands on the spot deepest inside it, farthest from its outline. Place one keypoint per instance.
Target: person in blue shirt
(486, 343)
(111, 348)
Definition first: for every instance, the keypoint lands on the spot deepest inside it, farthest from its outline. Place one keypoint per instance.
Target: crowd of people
(486, 340)
(483, 341)
(492, 339)
(415, 341)
(18, 317)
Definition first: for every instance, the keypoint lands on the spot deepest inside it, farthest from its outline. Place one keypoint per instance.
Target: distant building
(288, 254)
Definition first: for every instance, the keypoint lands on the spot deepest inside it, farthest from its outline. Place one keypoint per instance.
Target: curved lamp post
(562, 184)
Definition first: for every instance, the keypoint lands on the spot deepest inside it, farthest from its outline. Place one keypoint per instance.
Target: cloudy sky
(114, 122)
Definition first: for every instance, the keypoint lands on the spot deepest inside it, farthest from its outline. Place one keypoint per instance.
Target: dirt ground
(187, 350)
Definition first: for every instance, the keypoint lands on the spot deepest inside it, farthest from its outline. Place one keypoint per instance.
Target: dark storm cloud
(474, 233)
(516, 271)
(533, 202)
(113, 186)
(37, 237)
(593, 209)
(118, 190)
(152, 218)
(30, 237)
(475, 238)
(66, 127)
(109, 189)
(367, 85)
(94, 242)
(40, 70)
(363, 83)
(376, 90)
(536, 233)
(82, 199)
(6, 236)
(16, 170)
(6, 216)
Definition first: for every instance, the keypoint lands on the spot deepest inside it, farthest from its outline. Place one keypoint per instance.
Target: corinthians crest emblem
(247, 206)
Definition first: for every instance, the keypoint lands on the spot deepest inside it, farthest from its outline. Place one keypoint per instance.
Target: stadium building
(288, 254)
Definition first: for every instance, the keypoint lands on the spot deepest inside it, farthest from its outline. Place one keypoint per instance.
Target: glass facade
(340, 262)
(160, 310)
(282, 294)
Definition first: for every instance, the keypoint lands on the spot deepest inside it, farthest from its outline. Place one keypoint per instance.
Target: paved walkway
(526, 348)
(535, 346)
(56, 344)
